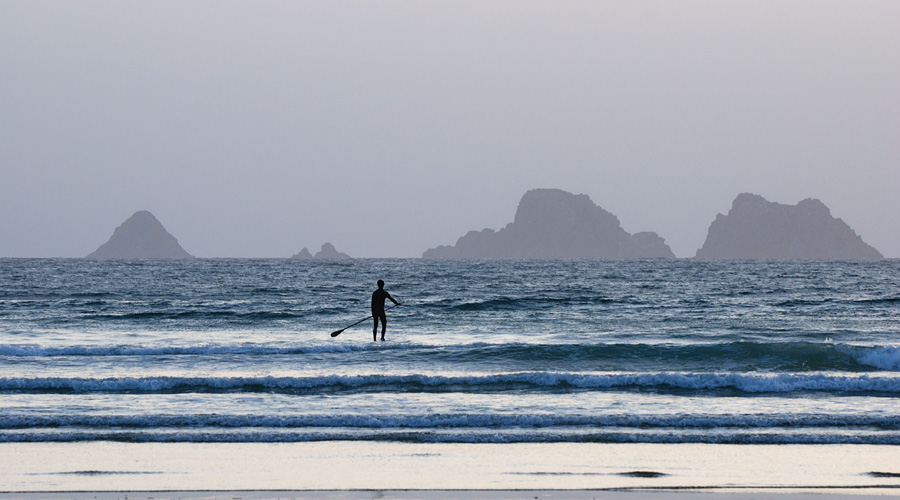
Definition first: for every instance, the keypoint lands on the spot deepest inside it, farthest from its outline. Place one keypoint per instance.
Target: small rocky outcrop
(140, 237)
(328, 252)
(302, 254)
(554, 224)
(756, 228)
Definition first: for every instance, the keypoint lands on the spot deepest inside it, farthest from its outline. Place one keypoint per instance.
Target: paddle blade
(335, 334)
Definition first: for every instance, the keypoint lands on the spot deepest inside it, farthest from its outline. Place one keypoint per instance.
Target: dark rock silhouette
(140, 237)
(554, 224)
(329, 252)
(302, 254)
(756, 228)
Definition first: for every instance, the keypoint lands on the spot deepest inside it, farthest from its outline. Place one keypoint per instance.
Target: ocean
(503, 354)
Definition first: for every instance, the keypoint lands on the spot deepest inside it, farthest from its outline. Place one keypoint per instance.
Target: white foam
(884, 358)
(744, 382)
(448, 421)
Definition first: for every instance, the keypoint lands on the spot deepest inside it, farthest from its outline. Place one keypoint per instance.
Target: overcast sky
(254, 129)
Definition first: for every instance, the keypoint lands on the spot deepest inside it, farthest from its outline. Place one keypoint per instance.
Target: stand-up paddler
(378, 313)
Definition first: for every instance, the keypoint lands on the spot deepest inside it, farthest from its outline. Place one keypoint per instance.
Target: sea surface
(484, 351)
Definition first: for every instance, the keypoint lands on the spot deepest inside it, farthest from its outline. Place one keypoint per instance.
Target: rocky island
(142, 236)
(555, 224)
(328, 252)
(302, 254)
(756, 228)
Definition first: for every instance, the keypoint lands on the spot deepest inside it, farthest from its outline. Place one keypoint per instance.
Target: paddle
(338, 332)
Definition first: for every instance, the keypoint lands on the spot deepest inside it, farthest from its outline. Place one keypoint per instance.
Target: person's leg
(383, 324)
(375, 328)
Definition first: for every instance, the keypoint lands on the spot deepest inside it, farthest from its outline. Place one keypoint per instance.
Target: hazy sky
(253, 129)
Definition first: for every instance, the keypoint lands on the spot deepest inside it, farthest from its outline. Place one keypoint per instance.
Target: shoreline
(364, 470)
(680, 493)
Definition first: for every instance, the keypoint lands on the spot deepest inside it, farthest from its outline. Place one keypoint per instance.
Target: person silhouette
(378, 297)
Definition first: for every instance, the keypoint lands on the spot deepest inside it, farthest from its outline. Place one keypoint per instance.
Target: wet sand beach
(410, 470)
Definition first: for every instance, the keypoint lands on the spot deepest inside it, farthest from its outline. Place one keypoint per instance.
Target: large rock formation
(328, 252)
(140, 237)
(554, 224)
(758, 229)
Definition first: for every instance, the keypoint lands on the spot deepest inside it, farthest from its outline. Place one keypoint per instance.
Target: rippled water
(678, 351)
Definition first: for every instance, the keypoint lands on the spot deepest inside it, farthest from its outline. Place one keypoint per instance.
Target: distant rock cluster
(141, 236)
(328, 252)
(759, 229)
(554, 224)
